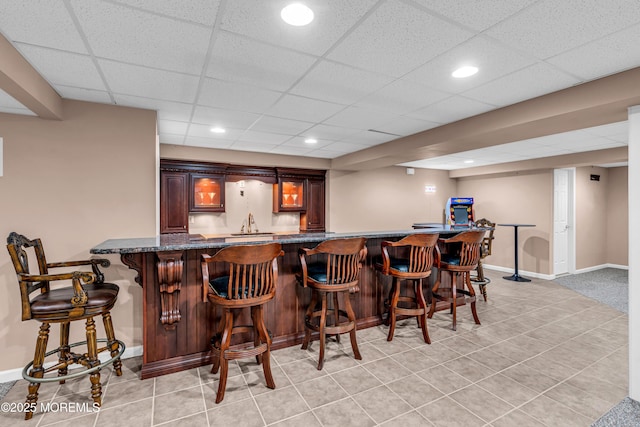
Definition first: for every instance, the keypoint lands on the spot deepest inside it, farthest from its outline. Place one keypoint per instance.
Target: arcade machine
(459, 211)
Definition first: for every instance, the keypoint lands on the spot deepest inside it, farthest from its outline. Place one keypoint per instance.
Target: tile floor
(543, 356)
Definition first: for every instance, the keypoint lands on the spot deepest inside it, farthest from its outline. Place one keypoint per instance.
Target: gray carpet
(4, 388)
(609, 286)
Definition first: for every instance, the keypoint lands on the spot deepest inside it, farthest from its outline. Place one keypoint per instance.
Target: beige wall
(618, 216)
(386, 198)
(591, 215)
(516, 198)
(75, 183)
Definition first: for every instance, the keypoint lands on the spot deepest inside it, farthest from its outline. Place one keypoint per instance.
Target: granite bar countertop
(183, 241)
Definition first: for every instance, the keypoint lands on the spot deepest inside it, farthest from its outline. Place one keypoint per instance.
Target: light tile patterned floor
(543, 356)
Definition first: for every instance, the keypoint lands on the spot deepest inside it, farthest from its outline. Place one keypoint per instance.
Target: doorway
(563, 221)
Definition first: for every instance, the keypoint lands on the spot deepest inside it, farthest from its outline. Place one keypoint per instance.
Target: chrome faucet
(250, 221)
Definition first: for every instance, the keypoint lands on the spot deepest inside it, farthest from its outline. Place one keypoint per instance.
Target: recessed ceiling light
(297, 14)
(466, 71)
(218, 129)
(310, 140)
(468, 161)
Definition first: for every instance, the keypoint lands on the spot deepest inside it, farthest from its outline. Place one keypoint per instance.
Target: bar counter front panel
(178, 324)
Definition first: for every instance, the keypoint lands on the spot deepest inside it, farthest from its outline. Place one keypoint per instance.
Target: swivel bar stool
(420, 252)
(333, 268)
(250, 282)
(461, 256)
(87, 297)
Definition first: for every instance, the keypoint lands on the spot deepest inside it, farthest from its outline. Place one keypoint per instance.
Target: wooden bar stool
(335, 270)
(421, 250)
(485, 251)
(250, 282)
(89, 296)
(460, 257)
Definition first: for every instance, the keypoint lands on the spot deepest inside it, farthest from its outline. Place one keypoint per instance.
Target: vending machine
(459, 211)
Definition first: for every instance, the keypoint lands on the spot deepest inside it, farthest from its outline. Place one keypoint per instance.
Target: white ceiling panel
(550, 27)
(223, 117)
(530, 82)
(234, 96)
(401, 97)
(303, 109)
(478, 15)
(167, 110)
(381, 42)
(195, 141)
(339, 83)
(277, 125)
(451, 110)
(199, 11)
(238, 59)
(81, 94)
(368, 64)
(261, 20)
(43, 23)
(493, 61)
(64, 68)
(129, 79)
(151, 40)
(617, 51)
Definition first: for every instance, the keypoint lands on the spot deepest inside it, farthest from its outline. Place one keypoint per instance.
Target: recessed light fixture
(297, 14)
(310, 140)
(218, 129)
(466, 71)
(468, 161)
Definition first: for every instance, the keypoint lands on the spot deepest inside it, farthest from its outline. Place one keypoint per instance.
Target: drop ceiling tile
(537, 80)
(345, 147)
(298, 141)
(618, 51)
(550, 27)
(20, 111)
(151, 40)
(304, 109)
(451, 109)
(171, 139)
(134, 80)
(492, 59)
(327, 132)
(291, 150)
(404, 126)
(324, 154)
(360, 118)
(402, 96)
(65, 68)
(610, 130)
(478, 15)
(252, 146)
(278, 125)
(396, 38)
(238, 59)
(200, 11)
(261, 21)
(8, 101)
(171, 126)
(81, 94)
(339, 83)
(167, 110)
(263, 137)
(224, 118)
(195, 141)
(234, 96)
(42, 23)
(204, 131)
(369, 138)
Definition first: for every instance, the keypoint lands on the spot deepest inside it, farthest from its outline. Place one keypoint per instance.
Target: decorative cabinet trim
(170, 267)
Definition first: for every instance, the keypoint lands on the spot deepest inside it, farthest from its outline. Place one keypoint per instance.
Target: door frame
(571, 232)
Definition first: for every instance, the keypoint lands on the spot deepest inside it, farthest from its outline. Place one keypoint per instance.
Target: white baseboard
(520, 272)
(16, 374)
(553, 276)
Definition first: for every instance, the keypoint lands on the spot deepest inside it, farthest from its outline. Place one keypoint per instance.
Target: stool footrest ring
(26, 376)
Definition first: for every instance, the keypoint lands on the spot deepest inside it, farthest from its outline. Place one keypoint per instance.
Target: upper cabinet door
(206, 193)
(289, 195)
(174, 217)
